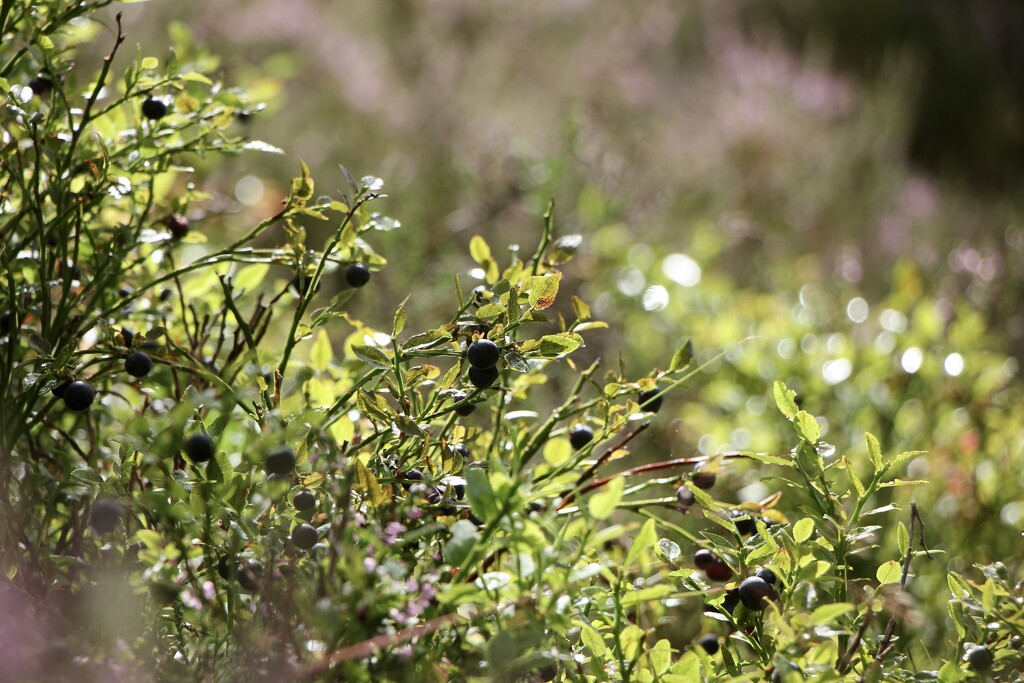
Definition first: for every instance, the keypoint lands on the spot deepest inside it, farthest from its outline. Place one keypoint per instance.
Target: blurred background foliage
(828, 190)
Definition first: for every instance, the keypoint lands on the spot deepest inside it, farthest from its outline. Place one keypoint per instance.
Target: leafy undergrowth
(213, 471)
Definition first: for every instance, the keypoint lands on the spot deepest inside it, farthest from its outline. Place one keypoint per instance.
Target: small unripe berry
(304, 500)
(580, 436)
(357, 275)
(483, 354)
(650, 401)
(482, 379)
(78, 396)
(154, 109)
(281, 461)
(138, 364)
(200, 447)
(709, 642)
(304, 536)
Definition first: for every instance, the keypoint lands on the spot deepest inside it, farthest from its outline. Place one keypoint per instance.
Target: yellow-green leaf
(874, 451)
(826, 614)
(367, 482)
(321, 354)
(592, 639)
(603, 503)
(889, 572)
(647, 537)
(543, 289)
(784, 399)
(803, 529)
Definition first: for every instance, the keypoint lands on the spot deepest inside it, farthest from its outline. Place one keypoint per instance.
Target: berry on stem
(755, 593)
(280, 461)
(304, 500)
(357, 275)
(709, 641)
(483, 354)
(650, 401)
(766, 575)
(178, 225)
(138, 364)
(684, 498)
(703, 480)
(200, 447)
(78, 396)
(712, 565)
(745, 524)
(154, 109)
(980, 657)
(304, 536)
(105, 515)
(580, 436)
(466, 409)
(482, 379)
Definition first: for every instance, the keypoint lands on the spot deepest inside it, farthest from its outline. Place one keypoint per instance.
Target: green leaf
(682, 357)
(660, 656)
(826, 614)
(874, 451)
(543, 289)
(490, 311)
(425, 340)
(647, 537)
(464, 537)
(149, 63)
(890, 572)
(902, 538)
(408, 426)
(580, 307)
(592, 639)
(516, 362)
(784, 399)
(951, 673)
(367, 482)
(602, 504)
(807, 428)
(399, 322)
(302, 187)
(40, 345)
(803, 529)
(768, 459)
(648, 594)
(321, 354)
(481, 494)
(372, 356)
(988, 596)
(552, 345)
(481, 253)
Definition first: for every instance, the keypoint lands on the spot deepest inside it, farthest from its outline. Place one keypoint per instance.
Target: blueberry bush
(213, 470)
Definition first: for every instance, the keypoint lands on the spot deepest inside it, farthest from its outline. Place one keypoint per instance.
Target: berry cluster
(483, 356)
